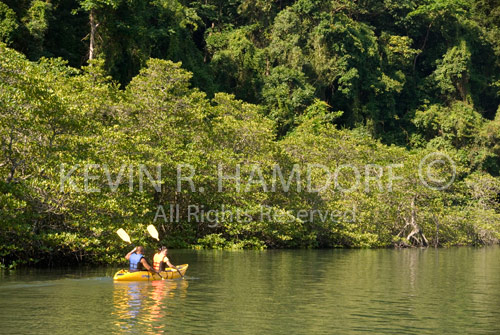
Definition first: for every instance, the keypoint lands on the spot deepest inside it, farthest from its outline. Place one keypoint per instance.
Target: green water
(447, 291)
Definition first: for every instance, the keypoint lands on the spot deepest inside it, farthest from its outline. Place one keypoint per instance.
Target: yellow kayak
(169, 273)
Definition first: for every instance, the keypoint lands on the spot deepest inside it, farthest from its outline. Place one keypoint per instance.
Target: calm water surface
(447, 291)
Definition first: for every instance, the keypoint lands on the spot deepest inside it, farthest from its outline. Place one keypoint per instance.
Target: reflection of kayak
(169, 273)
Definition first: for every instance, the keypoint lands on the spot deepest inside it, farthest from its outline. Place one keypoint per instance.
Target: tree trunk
(416, 235)
(423, 45)
(93, 28)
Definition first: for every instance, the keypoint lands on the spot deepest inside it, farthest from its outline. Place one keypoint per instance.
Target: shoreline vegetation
(246, 125)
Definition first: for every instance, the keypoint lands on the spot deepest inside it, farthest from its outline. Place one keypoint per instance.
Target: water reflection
(144, 306)
(444, 291)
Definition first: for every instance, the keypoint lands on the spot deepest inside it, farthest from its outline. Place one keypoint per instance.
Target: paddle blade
(123, 235)
(153, 232)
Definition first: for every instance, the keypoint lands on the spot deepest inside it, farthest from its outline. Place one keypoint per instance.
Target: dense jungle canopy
(120, 83)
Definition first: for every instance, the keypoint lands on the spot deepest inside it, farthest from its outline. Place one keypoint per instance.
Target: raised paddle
(124, 236)
(154, 234)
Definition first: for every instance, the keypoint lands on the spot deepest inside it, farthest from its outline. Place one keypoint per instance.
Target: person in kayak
(160, 258)
(137, 260)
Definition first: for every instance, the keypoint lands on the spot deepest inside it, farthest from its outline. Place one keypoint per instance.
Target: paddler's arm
(170, 265)
(127, 256)
(147, 266)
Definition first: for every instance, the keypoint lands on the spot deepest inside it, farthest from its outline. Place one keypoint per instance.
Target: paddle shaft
(179, 272)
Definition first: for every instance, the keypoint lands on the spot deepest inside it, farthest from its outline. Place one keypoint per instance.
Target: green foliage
(378, 62)
(37, 19)
(299, 82)
(94, 4)
(452, 72)
(457, 124)
(287, 94)
(8, 23)
(216, 241)
(237, 62)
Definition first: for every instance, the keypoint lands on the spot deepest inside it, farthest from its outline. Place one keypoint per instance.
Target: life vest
(159, 261)
(135, 262)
